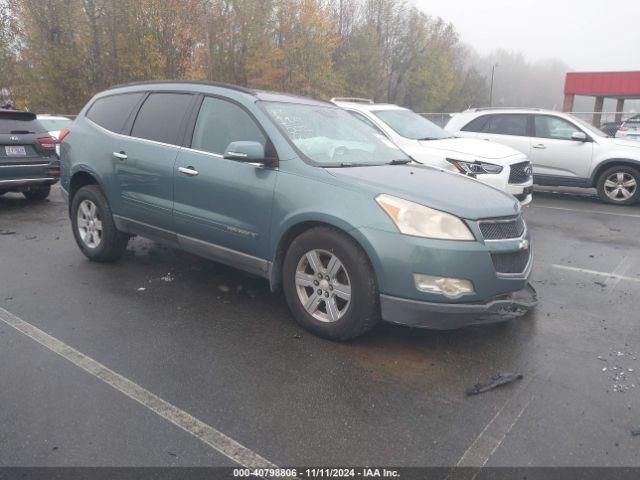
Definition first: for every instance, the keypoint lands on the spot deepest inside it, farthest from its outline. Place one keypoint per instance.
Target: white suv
(425, 142)
(563, 149)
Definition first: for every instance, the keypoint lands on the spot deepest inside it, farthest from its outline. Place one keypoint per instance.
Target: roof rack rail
(480, 109)
(352, 100)
(196, 82)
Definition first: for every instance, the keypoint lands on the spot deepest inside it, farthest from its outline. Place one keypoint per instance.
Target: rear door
(222, 207)
(144, 161)
(511, 129)
(555, 154)
(27, 152)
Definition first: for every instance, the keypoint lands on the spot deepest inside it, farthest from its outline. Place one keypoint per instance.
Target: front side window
(113, 111)
(330, 136)
(476, 125)
(160, 117)
(508, 124)
(221, 122)
(409, 124)
(554, 128)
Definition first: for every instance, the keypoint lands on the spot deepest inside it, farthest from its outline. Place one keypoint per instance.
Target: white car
(563, 149)
(54, 125)
(425, 142)
(630, 129)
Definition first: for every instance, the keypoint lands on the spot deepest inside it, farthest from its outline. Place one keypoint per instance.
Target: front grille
(520, 172)
(502, 229)
(512, 262)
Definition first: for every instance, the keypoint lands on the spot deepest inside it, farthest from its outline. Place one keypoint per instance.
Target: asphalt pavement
(215, 345)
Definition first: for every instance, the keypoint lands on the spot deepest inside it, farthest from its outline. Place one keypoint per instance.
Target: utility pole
(493, 71)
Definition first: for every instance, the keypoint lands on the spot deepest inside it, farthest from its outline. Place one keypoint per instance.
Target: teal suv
(298, 192)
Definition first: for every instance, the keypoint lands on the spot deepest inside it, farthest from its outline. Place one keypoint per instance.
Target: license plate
(15, 151)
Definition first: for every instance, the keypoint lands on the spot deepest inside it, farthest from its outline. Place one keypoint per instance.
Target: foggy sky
(586, 34)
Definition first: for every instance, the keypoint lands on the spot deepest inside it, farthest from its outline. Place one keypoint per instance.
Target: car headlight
(415, 219)
(475, 168)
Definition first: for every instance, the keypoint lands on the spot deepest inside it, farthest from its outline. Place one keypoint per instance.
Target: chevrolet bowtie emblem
(523, 245)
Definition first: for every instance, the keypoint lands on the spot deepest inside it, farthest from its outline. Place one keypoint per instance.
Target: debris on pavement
(494, 382)
(7, 232)
(224, 288)
(30, 237)
(168, 278)
(635, 433)
(141, 289)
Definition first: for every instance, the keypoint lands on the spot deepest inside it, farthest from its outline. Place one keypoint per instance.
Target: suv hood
(626, 143)
(480, 149)
(450, 192)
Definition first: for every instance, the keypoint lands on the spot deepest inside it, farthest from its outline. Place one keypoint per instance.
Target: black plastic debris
(7, 232)
(494, 382)
(635, 433)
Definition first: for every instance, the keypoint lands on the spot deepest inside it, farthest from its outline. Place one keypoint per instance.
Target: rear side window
(476, 125)
(113, 111)
(220, 123)
(160, 117)
(507, 125)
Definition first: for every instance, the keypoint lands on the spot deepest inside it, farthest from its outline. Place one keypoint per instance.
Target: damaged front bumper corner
(449, 316)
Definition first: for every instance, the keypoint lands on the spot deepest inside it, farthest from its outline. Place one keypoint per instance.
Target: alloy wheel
(323, 285)
(620, 186)
(89, 224)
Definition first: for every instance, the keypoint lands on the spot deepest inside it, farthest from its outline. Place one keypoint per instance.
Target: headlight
(415, 219)
(475, 168)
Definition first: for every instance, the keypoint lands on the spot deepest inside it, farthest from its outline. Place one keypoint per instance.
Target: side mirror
(579, 137)
(250, 152)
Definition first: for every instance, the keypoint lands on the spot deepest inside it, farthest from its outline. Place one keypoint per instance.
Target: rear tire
(330, 285)
(93, 226)
(619, 185)
(37, 193)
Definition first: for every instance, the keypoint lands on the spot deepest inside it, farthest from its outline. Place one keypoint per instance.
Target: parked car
(55, 124)
(563, 149)
(630, 129)
(426, 143)
(299, 192)
(28, 162)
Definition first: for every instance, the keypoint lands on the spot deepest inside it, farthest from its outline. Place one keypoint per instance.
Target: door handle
(192, 172)
(541, 146)
(120, 155)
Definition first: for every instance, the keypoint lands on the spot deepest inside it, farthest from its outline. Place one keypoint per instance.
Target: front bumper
(449, 316)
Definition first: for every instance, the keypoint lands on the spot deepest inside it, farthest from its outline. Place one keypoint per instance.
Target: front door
(222, 208)
(555, 154)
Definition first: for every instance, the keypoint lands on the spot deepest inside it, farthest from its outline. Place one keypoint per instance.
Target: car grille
(511, 262)
(520, 172)
(502, 229)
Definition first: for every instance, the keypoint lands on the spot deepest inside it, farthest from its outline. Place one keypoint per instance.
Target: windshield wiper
(402, 161)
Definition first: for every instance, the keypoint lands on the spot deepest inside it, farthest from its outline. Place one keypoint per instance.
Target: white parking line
(616, 214)
(595, 272)
(207, 434)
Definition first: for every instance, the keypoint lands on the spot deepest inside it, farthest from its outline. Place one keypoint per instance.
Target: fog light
(449, 287)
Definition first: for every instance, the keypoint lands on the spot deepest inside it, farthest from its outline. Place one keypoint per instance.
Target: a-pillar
(619, 109)
(567, 106)
(597, 111)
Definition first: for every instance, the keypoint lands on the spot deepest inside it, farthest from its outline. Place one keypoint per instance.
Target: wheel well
(78, 181)
(286, 240)
(614, 163)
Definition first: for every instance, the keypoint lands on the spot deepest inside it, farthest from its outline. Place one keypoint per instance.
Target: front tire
(330, 285)
(38, 193)
(619, 185)
(93, 227)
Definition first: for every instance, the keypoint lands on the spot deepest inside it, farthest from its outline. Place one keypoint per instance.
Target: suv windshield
(411, 125)
(587, 126)
(331, 137)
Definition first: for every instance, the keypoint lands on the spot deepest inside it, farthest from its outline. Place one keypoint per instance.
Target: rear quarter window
(113, 111)
(476, 125)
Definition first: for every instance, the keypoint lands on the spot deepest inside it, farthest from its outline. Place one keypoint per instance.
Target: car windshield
(587, 126)
(53, 124)
(331, 137)
(411, 125)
